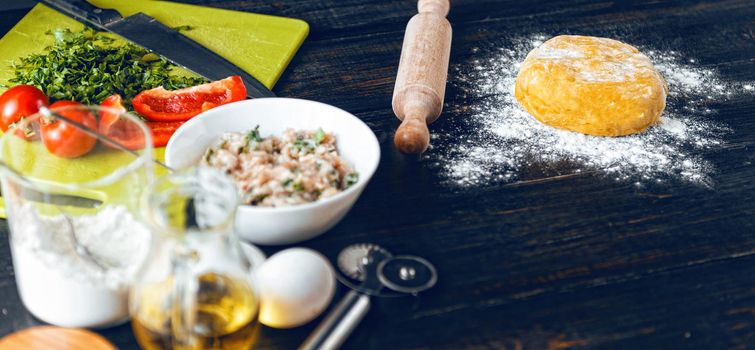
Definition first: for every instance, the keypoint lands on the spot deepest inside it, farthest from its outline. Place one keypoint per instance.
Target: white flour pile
(59, 286)
(112, 236)
(494, 140)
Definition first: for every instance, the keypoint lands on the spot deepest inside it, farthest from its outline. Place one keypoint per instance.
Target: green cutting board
(261, 45)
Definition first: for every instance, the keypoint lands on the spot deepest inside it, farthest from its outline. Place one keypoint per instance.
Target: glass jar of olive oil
(194, 291)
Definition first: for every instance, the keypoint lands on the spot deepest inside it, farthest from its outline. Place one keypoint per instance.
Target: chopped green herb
(258, 198)
(87, 67)
(299, 186)
(319, 136)
(305, 145)
(254, 135)
(350, 179)
(287, 182)
(150, 57)
(208, 155)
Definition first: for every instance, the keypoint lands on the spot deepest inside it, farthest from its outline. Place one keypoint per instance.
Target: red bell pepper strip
(160, 105)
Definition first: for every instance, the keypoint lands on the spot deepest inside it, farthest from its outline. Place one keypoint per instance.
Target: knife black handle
(84, 11)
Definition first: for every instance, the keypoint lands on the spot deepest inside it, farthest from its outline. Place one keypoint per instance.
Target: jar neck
(216, 244)
(192, 205)
(199, 237)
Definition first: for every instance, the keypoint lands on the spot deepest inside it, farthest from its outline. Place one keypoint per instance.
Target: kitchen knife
(150, 34)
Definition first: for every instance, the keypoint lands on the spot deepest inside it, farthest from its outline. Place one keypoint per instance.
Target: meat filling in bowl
(299, 167)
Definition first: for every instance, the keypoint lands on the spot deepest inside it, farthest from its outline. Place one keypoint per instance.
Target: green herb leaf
(319, 136)
(350, 179)
(150, 57)
(87, 67)
(307, 145)
(258, 198)
(208, 155)
(254, 135)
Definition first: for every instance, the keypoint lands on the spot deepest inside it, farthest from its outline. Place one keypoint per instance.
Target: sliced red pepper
(119, 129)
(160, 105)
(162, 131)
(110, 118)
(127, 133)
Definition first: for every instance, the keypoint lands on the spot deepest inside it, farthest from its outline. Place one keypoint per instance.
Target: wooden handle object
(422, 71)
(55, 338)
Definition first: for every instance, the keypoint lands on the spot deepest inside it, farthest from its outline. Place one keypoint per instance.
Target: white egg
(295, 286)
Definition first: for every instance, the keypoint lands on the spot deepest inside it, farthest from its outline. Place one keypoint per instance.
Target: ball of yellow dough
(594, 86)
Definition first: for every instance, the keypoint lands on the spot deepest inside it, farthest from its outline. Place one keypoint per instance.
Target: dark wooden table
(571, 261)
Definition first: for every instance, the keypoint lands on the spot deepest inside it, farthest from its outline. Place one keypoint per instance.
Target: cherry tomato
(118, 129)
(160, 105)
(63, 139)
(18, 102)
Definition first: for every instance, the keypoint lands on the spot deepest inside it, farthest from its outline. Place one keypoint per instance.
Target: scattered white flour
(494, 140)
(62, 288)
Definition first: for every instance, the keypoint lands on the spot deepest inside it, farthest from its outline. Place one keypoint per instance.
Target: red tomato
(122, 130)
(65, 140)
(18, 102)
(118, 129)
(160, 105)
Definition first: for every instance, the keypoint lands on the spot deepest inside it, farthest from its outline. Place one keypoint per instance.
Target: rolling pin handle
(412, 136)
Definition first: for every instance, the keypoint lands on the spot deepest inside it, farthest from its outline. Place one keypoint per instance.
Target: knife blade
(65, 200)
(152, 35)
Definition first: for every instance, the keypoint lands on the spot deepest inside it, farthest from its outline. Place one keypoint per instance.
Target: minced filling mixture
(299, 167)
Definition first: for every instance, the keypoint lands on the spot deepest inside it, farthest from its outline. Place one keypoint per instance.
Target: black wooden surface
(574, 261)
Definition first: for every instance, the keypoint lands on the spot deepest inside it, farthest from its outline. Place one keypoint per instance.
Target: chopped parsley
(305, 145)
(319, 136)
(254, 135)
(88, 66)
(208, 155)
(350, 179)
(258, 198)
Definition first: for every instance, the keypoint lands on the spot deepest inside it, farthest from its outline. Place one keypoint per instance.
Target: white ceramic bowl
(356, 143)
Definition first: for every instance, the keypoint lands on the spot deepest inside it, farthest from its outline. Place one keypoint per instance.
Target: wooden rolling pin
(421, 79)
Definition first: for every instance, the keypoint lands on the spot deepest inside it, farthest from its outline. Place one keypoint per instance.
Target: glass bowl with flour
(76, 235)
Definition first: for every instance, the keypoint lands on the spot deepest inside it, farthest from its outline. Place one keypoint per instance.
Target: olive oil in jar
(225, 316)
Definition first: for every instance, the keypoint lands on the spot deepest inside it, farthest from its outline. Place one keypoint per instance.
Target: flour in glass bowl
(62, 288)
(493, 140)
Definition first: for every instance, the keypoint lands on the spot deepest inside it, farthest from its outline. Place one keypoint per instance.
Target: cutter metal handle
(340, 322)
